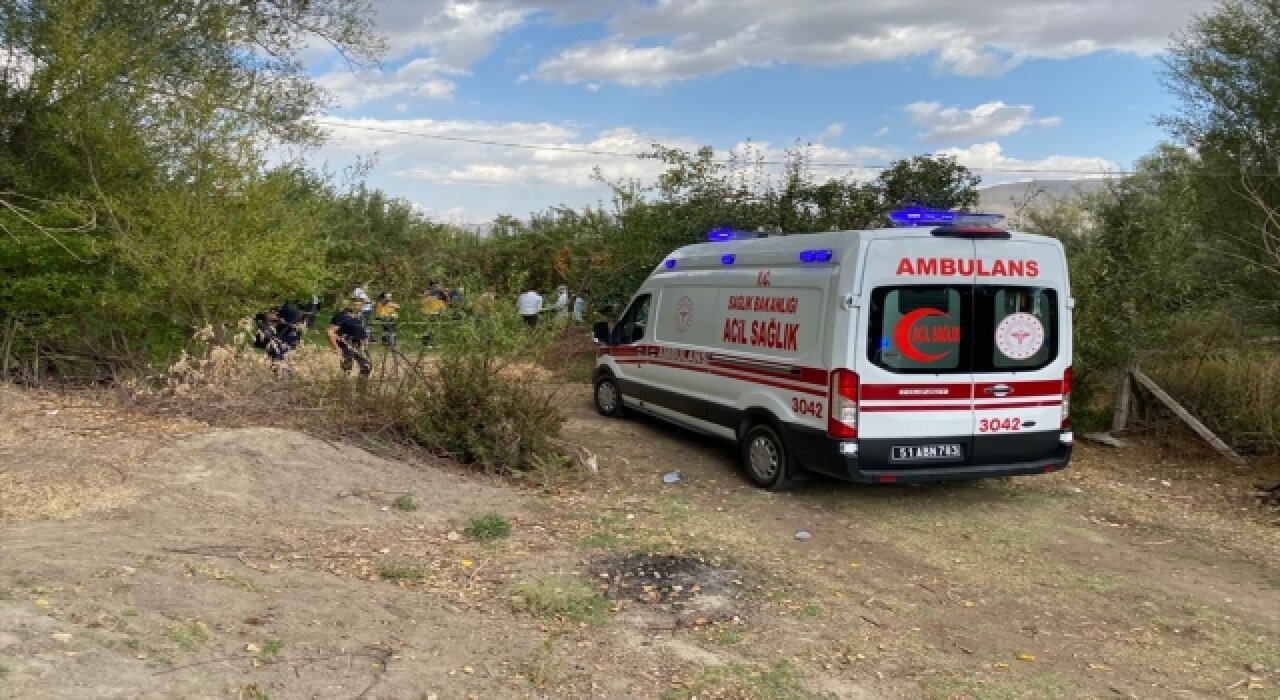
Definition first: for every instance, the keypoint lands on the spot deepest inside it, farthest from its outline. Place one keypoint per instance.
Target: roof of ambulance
(829, 239)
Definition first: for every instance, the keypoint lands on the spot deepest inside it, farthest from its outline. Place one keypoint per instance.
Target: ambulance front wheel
(608, 398)
(766, 458)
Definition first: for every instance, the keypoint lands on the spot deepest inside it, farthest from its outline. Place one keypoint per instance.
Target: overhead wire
(820, 164)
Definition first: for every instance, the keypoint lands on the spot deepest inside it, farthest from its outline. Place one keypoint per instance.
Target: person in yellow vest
(386, 311)
(433, 306)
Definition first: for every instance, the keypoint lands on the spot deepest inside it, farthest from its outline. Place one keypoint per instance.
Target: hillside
(1011, 197)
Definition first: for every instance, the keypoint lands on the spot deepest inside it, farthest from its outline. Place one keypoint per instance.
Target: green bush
(490, 526)
(485, 402)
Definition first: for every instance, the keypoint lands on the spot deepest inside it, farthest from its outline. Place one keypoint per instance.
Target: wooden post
(1187, 418)
(1120, 417)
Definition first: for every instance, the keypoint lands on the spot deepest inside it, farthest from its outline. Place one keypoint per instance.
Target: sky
(512, 107)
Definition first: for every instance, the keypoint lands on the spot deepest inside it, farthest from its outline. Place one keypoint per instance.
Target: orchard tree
(1224, 68)
(134, 200)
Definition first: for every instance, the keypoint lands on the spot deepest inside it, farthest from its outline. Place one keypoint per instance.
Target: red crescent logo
(902, 336)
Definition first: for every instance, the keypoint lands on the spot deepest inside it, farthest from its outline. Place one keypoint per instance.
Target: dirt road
(146, 557)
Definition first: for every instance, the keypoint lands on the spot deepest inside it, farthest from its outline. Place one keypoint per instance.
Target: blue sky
(1014, 89)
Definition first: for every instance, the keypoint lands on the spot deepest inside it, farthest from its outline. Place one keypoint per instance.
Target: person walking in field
(561, 305)
(350, 339)
(529, 305)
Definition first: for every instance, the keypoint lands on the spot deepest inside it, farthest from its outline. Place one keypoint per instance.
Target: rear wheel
(766, 459)
(608, 397)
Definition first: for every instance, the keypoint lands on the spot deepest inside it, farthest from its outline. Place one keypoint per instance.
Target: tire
(766, 459)
(608, 397)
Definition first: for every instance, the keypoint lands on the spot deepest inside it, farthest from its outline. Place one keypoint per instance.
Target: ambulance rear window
(918, 329)
(961, 329)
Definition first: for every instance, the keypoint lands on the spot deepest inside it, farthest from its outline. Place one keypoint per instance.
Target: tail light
(1066, 399)
(842, 413)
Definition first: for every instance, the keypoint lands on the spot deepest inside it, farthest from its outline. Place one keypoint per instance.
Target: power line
(819, 164)
(632, 154)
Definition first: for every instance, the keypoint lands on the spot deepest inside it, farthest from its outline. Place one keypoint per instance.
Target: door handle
(999, 390)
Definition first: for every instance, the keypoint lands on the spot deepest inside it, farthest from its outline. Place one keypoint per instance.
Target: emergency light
(669, 263)
(728, 259)
(816, 256)
(924, 216)
(724, 233)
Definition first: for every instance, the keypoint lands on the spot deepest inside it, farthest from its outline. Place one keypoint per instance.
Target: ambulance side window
(631, 328)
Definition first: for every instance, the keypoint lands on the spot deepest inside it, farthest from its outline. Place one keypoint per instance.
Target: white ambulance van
(936, 350)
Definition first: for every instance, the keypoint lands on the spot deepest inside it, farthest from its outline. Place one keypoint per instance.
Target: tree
(934, 181)
(1224, 68)
(131, 177)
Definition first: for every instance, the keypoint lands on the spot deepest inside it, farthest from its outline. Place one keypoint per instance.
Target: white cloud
(984, 121)
(833, 131)
(442, 165)
(659, 42)
(655, 43)
(989, 161)
(423, 78)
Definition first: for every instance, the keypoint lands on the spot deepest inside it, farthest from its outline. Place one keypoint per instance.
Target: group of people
(530, 306)
(279, 330)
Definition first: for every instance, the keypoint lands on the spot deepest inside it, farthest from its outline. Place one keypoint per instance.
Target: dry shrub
(483, 399)
(1235, 393)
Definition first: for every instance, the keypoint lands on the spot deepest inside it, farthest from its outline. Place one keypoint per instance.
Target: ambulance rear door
(1021, 350)
(916, 389)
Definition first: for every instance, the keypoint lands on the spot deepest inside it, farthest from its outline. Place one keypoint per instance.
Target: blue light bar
(728, 259)
(669, 263)
(816, 256)
(923, 216)
(724, 233)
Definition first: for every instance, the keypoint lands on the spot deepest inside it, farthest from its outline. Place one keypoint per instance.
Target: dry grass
(86, 456)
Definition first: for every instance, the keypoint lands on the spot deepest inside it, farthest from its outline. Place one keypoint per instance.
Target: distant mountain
(1013, 197)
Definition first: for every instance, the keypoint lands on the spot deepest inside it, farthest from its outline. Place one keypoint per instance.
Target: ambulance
(937, 349)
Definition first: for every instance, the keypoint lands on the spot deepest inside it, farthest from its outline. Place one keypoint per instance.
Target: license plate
(908, 453)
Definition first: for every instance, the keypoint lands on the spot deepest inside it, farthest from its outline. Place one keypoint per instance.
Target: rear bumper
(818, 452)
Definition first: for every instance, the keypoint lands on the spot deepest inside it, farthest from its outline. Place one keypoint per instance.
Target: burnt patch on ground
(672, 591)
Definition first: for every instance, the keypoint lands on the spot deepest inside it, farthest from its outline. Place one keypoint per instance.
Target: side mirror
(600, 332)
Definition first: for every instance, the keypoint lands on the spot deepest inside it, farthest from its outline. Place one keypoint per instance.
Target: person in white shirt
(579, 308)
(562, 304)
(529, 305)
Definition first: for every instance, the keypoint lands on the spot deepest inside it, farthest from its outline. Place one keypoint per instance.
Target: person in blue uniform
(349, 337)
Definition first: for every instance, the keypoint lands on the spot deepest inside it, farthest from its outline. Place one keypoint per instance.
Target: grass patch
(723, 635)
(1097, 583)
(188, 637)
(222, 577)
(133, 644)
(6, 594)
(810, 611)
(487, 527)
(400, 571)
(543, 669)
(272, 648)
(781, 681)
(405, 503)
(559, 598)
(4, 671)
(1011, 688)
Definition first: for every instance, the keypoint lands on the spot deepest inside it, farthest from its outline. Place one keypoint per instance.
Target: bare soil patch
(152, 556)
